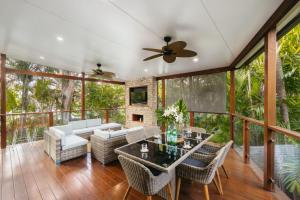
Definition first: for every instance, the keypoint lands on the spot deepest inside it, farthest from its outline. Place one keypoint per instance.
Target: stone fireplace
(141, 114)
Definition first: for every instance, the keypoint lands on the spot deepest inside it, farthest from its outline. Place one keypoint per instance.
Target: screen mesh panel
(203, 93)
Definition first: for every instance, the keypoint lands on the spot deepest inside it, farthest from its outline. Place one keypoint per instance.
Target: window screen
(203, 93)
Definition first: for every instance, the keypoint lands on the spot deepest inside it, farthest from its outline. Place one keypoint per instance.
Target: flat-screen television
(138, 95)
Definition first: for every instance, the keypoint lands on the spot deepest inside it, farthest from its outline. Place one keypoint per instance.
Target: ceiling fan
(171, 51)
(99, 73)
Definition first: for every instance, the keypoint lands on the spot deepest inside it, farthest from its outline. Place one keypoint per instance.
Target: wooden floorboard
(28, 173)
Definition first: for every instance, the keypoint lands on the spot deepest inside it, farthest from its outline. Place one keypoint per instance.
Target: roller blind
(202, 93)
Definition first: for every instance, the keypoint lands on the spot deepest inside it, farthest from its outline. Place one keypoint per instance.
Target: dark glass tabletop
(161, 155)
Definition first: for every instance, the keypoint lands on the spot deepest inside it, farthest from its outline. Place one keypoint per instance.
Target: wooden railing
(48, 118)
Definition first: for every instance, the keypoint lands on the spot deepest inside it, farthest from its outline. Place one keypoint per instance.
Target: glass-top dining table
(162, 155)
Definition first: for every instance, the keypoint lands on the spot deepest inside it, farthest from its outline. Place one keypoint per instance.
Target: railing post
(192, 119)
(106, 116)
(83, 96)
(269, 108)
(3, 100)
(246, 141)
(50, 120)
(232, 104)
(163, 99)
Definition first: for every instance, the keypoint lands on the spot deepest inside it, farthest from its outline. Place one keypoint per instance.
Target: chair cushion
(136, 128)
(73, 141)
(78, 124)
(67, 129)
(58, 133)
(102, 134)
(117, 133)
(93, 122)
(194, 162)
(83, 130)
(109, 125)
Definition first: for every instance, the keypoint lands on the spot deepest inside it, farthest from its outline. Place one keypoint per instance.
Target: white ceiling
(114, 32)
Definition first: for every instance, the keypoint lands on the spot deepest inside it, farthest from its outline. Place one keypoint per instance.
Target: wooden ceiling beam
(62, 76)
(280, 12)
(195, 73)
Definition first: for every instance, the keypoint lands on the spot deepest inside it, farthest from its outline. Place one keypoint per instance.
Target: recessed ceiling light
(195, 59)
(59, 38)
(42, 57)
(145, 70)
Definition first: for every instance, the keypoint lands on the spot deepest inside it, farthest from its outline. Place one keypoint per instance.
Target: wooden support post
(3, 99)
(269, 108)
(50, 119)
(192, 119)
(232, 103)
(83, 96)
(106, 116)
(163, 99)
(246, 140)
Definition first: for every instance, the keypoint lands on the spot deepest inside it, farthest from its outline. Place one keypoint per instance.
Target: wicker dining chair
(151, 131)
(143, 180)
(212, 149)
(199, 168)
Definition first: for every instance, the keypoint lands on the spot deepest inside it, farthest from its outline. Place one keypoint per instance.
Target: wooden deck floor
(28, 173)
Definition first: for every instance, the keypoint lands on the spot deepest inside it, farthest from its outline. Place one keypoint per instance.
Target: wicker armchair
(142, 179)
(53, 147)
(199, 168)
(151, 131)
(103, 149)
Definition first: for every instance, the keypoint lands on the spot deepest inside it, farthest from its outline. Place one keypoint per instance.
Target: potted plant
(173, 117)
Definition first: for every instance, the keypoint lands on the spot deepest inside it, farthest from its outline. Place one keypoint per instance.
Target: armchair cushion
(102, 134)
(93, 122)
(66, 129)
(78, 124)
(83, 130)
(117, 133)
(109, 126)
(73, 141)
(60, 134)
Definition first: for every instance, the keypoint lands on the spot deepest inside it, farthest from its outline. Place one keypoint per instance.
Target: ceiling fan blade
(169, 58)
(154, 56)
(154, 50)
(186, 53)
(177, 46)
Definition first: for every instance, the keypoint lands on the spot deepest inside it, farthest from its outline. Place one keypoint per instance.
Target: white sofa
(85, 128)
(69, 141)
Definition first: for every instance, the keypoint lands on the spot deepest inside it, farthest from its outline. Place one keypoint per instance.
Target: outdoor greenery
(27, 93)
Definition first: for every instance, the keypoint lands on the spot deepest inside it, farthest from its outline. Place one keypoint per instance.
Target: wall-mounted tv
(138, 95)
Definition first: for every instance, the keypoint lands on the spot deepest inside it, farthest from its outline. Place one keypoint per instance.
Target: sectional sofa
(69, 141)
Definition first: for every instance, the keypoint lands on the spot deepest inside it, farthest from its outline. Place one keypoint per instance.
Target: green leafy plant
(290, 176)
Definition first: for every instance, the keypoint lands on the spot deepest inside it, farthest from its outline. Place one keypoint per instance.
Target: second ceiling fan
(171, 51)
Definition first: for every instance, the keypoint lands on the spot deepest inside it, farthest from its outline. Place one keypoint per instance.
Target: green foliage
(99, 96)
(290, 176)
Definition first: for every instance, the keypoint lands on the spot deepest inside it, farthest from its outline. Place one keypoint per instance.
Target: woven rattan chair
(135, 135)
(142, 179)
(199, 168)
(151, 131)
(212, 149)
